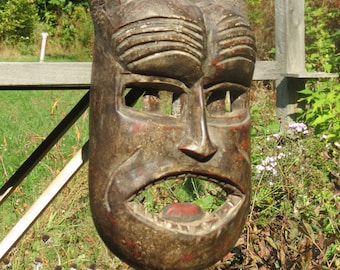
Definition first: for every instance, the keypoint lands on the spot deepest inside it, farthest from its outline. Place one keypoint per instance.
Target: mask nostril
(199, 151)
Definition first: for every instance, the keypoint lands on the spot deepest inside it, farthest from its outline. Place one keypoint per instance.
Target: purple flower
(299, 128)
(269, 164)
(276, 136)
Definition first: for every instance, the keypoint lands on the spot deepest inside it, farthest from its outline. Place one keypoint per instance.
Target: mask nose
(196, 142)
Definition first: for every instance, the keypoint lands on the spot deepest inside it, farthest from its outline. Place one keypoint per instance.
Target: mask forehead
(162, 41)
(169, 100)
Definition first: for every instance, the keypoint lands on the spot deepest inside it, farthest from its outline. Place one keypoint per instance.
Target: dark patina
(201, 54)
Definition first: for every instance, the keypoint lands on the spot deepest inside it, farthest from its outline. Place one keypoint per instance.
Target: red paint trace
(182, 212)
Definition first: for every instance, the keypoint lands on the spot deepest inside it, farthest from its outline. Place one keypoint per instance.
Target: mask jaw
(146, 241)
(138, 237)
(129, 230)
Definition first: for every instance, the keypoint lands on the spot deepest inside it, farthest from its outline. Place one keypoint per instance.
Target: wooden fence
(288, 70)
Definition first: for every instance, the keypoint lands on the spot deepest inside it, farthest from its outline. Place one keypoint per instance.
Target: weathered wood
(312, 75)
(28, 75)
(19, 75)
(290, 53)
(290, 35)
(77, 75)
(266, 70)
(288, 70)
(43, 201)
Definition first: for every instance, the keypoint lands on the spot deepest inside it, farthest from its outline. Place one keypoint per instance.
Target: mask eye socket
(218, 103)
(154, 100)
(222, 100)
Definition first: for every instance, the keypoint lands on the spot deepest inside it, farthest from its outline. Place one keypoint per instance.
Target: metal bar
(44, 200)
(43, 148)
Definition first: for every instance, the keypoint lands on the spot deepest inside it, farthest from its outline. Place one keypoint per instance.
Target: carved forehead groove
(235, 39)
(150, 36)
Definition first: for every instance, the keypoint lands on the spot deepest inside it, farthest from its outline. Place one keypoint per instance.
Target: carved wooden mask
(195, 57)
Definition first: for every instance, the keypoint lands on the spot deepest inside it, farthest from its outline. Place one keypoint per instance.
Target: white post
(44, 36)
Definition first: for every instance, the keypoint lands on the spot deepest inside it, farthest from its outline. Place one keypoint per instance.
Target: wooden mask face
(169, 100)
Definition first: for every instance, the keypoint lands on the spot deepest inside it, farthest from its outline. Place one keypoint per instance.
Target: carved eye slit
(218, 103)
(221, 100)
(153, 100)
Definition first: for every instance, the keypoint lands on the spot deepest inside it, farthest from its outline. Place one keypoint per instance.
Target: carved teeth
(207, 223)
(185, 228)
(234, 199)
(230, 203)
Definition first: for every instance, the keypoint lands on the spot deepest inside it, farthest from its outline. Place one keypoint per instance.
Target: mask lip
(210, 222)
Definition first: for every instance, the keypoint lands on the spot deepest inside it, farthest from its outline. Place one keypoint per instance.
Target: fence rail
(77, 75)
(288, 69)
(26, 76)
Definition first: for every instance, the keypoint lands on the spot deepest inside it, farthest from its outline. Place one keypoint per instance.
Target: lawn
(294, 220)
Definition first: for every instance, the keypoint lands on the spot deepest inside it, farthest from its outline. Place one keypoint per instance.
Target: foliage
(206, 195)
(322, 35)
(262, 19)
(295, 209)
(68, 24)
(294, 221)
(68, 21)
(29, 116)
(50, 10)
(323, 100)
(323, 54)
(17, 20)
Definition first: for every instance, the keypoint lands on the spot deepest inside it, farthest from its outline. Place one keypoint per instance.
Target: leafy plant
(262, 20)
(323, 101)
(322, 54)
(206, 195)
(322, 40)
(17, 20)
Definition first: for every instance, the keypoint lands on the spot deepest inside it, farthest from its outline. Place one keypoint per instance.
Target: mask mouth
(190, 204)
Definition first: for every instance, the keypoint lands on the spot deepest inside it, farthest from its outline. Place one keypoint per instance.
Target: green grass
(27, 117)
(294, 216)
(53, 53)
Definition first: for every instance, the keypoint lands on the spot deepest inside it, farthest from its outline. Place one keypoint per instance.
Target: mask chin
(156, 227)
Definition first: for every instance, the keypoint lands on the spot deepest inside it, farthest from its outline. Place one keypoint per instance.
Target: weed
(206, 195)
(323, 101)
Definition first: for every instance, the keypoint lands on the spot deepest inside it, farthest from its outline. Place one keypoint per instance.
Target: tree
(17, 19)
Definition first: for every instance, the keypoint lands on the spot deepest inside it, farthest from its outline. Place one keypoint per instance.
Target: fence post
(290, 56)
